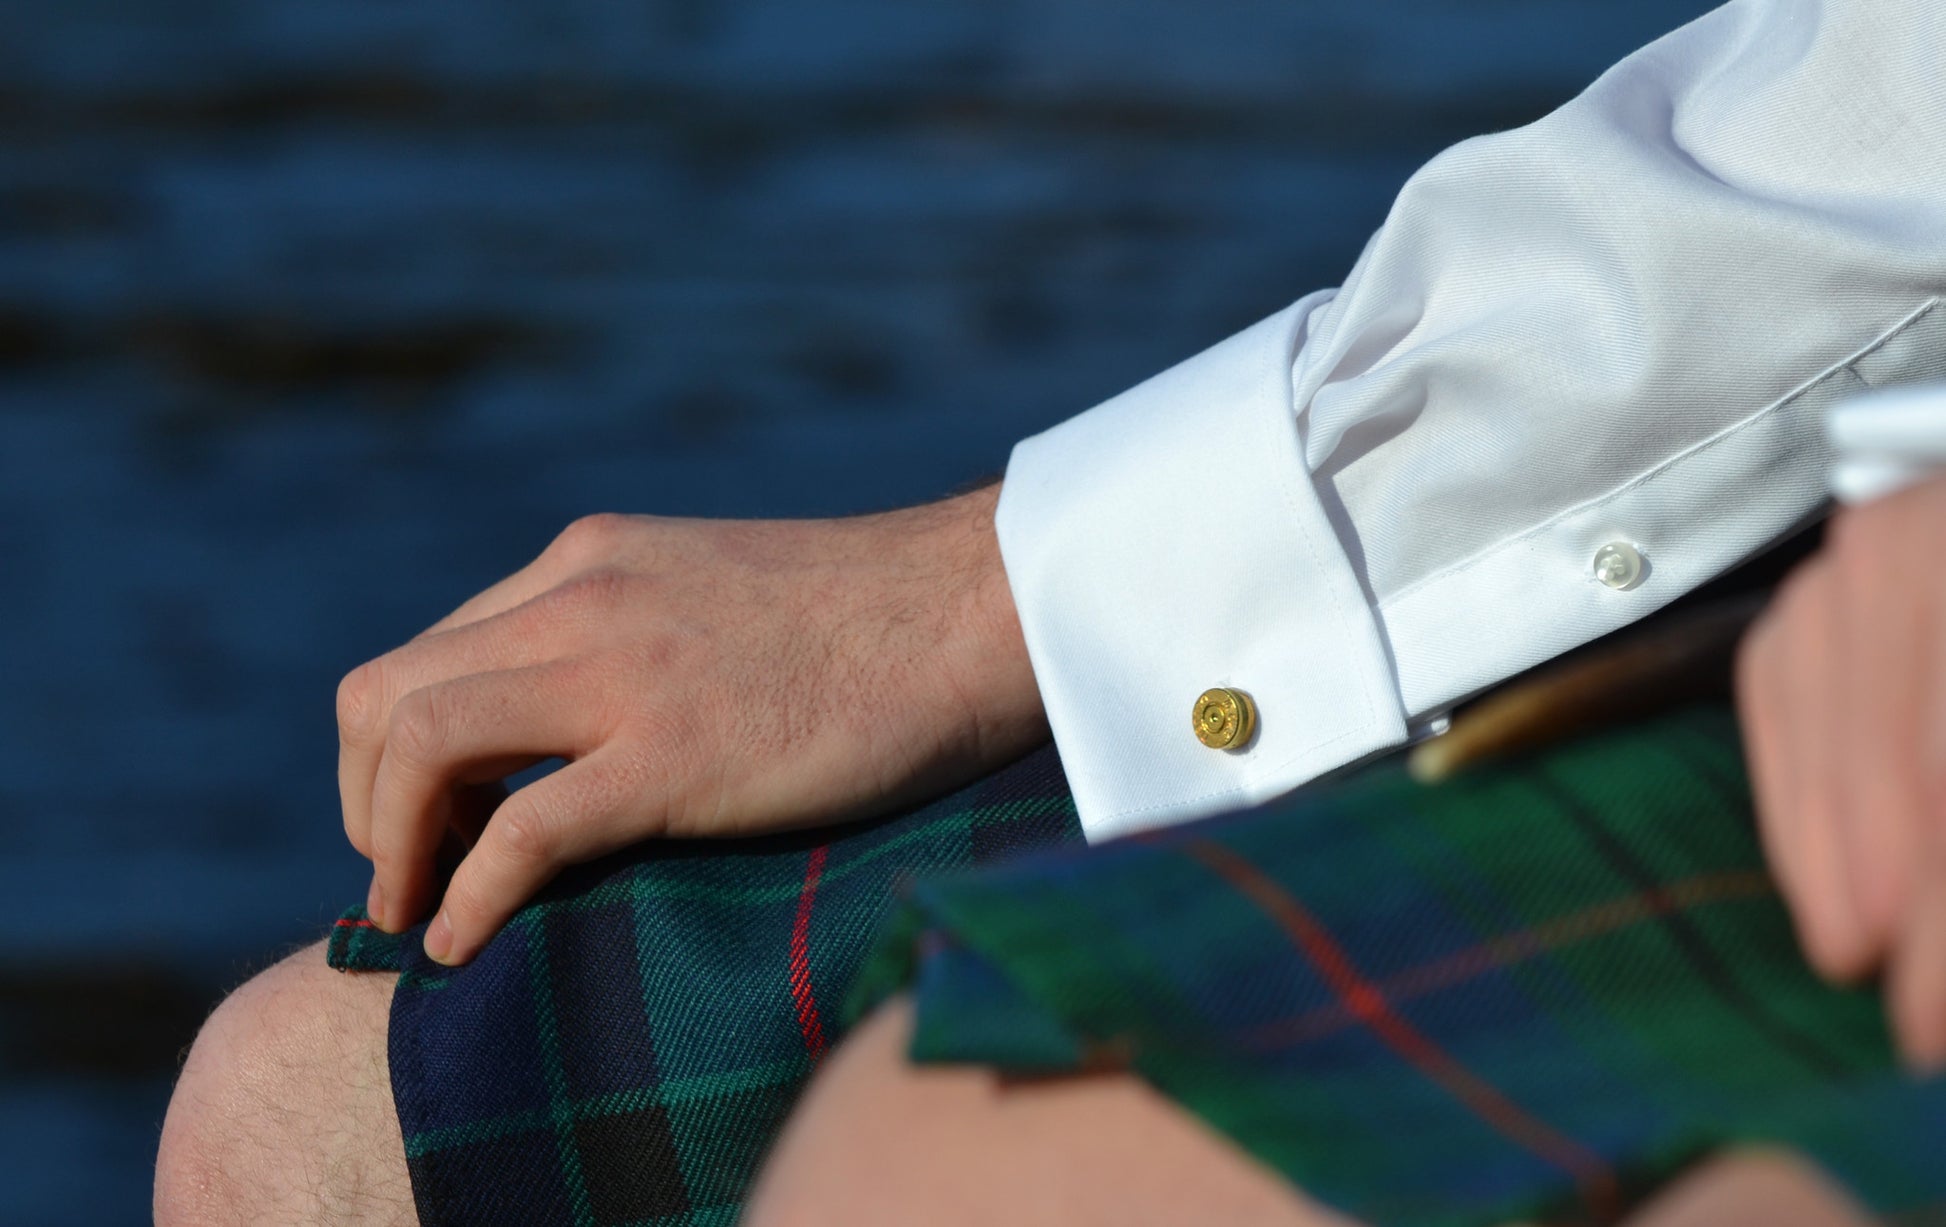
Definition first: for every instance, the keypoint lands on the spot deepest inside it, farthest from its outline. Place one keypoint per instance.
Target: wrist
(983, 651)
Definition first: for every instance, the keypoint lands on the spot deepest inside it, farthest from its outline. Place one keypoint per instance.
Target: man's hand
(1841, 687)
(702, 678)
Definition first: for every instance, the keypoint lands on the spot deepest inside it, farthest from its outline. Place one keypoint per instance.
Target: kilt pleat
(1534, 993)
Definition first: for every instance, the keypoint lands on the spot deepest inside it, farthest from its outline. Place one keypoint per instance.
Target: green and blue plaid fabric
(1534, 993)
(624, 1052)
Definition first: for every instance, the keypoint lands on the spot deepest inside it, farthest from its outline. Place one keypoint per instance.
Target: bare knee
(878, 1140)
(283, 1112)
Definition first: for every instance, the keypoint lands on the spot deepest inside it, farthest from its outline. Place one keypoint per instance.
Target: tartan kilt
(1538, 991)
(627, 1048)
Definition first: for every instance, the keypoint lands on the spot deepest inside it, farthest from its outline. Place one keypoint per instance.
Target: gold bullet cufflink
(1224, 718)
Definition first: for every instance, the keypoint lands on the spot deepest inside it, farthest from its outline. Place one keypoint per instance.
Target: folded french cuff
(1171, 541)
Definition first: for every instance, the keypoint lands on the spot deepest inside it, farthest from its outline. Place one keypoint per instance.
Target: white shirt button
(1618, 565)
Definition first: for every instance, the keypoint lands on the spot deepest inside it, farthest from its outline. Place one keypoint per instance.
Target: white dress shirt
(1620, 325)
(1886, 441)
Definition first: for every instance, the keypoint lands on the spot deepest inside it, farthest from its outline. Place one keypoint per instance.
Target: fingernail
(439, 939)
(375, 903)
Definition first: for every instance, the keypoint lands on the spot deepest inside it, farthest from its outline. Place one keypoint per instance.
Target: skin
(789, 673)
(1842, 699)
(701, 678)
(879, 1141)
(709, 678)
(283, 1114)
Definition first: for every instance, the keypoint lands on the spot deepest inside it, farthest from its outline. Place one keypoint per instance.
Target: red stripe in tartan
(1519, 946)
(1364, 1000)
(346, 922)
(807, 1001)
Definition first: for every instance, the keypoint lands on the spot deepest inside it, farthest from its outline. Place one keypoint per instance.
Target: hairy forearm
(985, 656)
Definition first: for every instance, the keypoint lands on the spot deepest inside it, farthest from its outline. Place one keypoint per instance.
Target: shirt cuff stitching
(1648, 475)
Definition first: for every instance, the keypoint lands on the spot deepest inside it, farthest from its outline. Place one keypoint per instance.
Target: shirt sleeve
(1886, 441)
(1618, 326)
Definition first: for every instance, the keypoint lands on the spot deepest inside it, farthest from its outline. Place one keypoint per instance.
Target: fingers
(588, 541)
(464, 732)
(573, 815)
(1882, 652)
(1838, 688)
(1760, 713)
(537, 614)
(1787, 680)
(368, 695)
(510, 593)
(1916, 981)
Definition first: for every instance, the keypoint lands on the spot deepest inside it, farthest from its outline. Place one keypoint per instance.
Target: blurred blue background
(316, 317)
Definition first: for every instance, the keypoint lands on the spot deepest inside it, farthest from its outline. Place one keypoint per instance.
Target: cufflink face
(1224, 718)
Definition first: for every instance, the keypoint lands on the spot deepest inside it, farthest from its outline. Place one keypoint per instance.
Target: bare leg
(1761, 1188)
(879, 1141)
(283, 1114)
